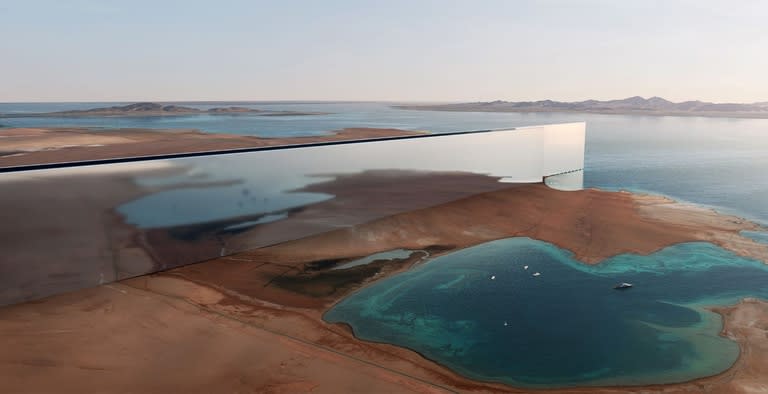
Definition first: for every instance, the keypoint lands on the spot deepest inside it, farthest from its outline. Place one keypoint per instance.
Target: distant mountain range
(155, 109)
(631, 105)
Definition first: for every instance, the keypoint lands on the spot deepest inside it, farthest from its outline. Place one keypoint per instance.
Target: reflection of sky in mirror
(266, 182)
(126, 169)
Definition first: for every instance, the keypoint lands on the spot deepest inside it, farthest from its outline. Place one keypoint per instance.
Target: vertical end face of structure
(555, 151)
(563, 153)
(563, 148)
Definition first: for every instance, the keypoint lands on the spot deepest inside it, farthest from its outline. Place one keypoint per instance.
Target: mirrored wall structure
(68, 228)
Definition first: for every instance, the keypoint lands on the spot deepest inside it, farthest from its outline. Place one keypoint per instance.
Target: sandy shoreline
(256, 317)
(150, 321)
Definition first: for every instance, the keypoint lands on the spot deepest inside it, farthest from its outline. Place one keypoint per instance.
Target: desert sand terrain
(252, 321)
(26, 146)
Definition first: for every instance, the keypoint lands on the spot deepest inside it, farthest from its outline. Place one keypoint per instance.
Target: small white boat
(525, 267)
(622, 286)
(536, 273)
(493, 277)
(505, 324)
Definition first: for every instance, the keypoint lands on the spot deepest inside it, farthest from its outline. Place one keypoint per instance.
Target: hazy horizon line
(333, 101)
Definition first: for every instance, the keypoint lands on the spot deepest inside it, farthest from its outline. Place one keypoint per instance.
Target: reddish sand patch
(25, 146)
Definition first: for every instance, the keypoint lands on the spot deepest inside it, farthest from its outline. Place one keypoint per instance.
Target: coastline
(644, 202)
(282, 291)
(713, 114)
(280, 329)
(746, 306)
(591, 223)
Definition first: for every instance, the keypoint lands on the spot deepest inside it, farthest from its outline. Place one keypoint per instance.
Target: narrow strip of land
(28, 146)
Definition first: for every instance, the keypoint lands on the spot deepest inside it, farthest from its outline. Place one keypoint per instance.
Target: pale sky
(82, 50)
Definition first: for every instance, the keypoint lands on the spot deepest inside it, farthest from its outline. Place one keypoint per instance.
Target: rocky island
(157, 109)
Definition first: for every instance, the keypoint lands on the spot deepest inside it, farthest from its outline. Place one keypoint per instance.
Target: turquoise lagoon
(567, 326)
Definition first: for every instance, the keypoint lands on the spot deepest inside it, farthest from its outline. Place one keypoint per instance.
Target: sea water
(480, 312)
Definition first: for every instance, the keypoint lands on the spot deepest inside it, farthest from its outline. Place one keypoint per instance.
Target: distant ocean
(567, 326)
